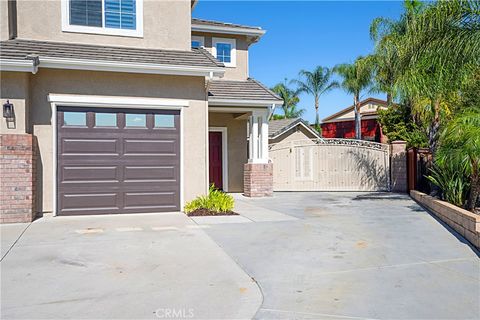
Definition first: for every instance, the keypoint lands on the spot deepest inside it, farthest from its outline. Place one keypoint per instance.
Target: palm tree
(460, 145)
(290, 100)
(427, 54)
(356, 77)
(316, 83)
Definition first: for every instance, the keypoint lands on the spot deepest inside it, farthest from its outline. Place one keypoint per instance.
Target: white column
(258, 146)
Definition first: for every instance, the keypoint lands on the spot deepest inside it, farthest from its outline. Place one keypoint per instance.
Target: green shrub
(452, 182)
(216, 201)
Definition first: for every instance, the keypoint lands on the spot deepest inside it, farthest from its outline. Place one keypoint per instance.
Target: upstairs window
(225, 51)
(197, 41)
(113, 17)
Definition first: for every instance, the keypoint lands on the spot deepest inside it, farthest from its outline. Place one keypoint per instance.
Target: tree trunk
(474, 187)
(389, 99)
(434, 128)
(317, 119)
(358, 131)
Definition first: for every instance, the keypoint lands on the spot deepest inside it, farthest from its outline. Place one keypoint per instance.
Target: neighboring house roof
(201, 25)
(278, 127)
(107, 58)
(233, 92)
(362, 103)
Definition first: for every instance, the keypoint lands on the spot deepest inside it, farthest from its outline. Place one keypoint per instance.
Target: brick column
(398, 166)
(258, 180)
(17, 178)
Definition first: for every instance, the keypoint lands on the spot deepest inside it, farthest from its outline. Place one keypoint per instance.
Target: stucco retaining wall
(464, 222)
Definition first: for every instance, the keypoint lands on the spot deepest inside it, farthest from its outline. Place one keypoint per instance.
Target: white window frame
(199, 39)
(138, 32)
(233, 53)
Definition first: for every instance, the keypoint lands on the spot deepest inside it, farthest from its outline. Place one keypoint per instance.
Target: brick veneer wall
(17, 178)
(398, 166)
(258, 180)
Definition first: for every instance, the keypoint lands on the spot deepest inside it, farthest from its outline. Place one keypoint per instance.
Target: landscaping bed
(207, 212)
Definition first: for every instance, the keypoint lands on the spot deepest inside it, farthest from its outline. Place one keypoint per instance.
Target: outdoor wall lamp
(8, 111)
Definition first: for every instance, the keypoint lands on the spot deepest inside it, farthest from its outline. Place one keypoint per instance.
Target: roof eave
(293, 125)
(257, 33)
(242, 103)
(113, 66)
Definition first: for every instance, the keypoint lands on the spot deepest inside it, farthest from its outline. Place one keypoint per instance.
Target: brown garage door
(117, 161)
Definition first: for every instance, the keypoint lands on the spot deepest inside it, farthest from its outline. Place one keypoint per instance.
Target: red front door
(215, 158)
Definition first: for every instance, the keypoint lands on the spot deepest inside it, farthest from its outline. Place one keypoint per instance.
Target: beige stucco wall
(364, 109)
(120, 84)
(3, 20)
(296, 133)
(237, 146)
(14, 86)
(240, 72)
(166, 24)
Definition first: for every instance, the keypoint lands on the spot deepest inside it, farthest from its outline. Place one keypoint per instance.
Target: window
(78, 119)
(105, 119)
(135, 120)
(225, 51)
(113, 17)
(197, 42)
(164, 121)
(86, 13)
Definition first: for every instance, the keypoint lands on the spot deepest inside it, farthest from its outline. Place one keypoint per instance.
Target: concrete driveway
(351, 256)
(129, 266)
(313, 255)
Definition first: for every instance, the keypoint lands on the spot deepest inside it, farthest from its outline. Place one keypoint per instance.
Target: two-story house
(126, 106)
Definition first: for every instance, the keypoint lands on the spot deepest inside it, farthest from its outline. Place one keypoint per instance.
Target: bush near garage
(215, 203)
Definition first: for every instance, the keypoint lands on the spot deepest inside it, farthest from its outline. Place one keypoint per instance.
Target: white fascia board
(243, 103)
(115, 101)
(115, 66)
(17, 65)
(228, 30)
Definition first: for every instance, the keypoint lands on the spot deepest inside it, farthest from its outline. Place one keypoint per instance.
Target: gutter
(34, 62)
(229, 30)
(243, 103)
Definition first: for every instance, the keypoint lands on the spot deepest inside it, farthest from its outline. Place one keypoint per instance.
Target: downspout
(12, 19)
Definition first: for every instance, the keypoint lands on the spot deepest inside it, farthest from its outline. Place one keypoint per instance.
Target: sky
(303, 35)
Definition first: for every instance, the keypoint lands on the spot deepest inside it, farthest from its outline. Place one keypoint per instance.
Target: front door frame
(223, 130)
(94, 101)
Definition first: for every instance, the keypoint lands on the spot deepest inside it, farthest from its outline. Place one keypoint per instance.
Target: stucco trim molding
(70, 100)
(73, 100)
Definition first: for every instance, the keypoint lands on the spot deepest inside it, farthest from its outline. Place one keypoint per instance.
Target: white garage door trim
(68, 100)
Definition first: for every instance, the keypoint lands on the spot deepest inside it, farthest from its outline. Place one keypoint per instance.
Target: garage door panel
(151, 147)
(95, 202)
(118, 169)
(151, 200)
(86, 174)
(90, 146)
(150, 173)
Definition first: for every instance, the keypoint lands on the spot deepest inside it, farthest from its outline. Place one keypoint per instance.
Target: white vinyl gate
(330, 165)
